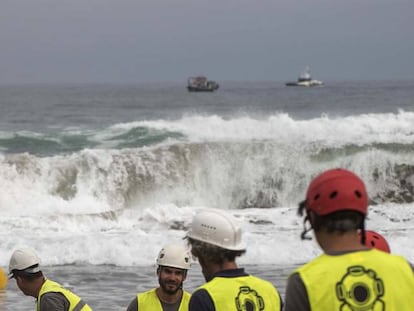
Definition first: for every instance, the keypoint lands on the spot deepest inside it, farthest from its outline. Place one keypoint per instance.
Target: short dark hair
(212, 253)
(26, 275)
(342, 221)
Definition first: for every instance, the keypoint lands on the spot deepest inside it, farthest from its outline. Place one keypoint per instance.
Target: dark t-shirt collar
(231, 273)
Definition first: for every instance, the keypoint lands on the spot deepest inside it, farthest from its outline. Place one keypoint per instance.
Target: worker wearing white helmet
(173, 262)
(24, 266)
(216, 240)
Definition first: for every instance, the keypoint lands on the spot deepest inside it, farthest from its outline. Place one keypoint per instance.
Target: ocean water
(97, 178)
(113, 288)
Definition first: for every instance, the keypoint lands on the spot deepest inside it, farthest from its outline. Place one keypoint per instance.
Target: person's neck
(336, 242)
(227, 265)
(210, 269)
(168, 298)
(37, 286)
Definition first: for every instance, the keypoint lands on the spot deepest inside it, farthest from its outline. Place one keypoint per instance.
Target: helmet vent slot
(337, 190)
(333, 194)
(358, 194)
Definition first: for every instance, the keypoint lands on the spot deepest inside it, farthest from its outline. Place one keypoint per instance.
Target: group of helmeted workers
(355, 272)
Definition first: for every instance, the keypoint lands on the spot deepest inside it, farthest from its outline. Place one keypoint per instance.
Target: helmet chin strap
(363, 233)
(304, 235)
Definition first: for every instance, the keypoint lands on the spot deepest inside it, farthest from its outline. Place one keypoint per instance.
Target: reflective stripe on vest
(363, 280)
(243, 293)
(79, 306)
(75, 303)
(149, 301)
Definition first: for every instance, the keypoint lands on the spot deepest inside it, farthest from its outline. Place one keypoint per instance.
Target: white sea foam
(134, 237)
(109, 206)
(360, 129)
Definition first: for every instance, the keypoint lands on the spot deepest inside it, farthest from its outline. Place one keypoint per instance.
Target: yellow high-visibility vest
(149, 301)
(76, 304)
(363, 280)
(243, 293)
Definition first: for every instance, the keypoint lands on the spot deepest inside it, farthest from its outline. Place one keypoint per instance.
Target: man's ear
(18, 279)
(311, 217)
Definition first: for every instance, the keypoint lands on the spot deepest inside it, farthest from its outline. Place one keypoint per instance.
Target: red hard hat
(374, 239)
(336, 190)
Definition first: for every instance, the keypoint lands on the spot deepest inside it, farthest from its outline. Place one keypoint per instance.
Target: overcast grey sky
(228, 40)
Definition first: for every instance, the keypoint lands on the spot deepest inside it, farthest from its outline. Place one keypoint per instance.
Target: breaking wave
(239, 163)
(89, 196)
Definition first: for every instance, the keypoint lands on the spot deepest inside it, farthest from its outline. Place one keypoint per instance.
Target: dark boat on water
(201, 84)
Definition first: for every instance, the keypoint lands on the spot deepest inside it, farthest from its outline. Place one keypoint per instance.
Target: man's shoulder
(200, 292)
(53, 301)
(262, 281)
(133, 305)
(201, 300)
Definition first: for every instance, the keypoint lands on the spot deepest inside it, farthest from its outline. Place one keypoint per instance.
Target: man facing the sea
(215, 239)
(24, 267)
(173, 263)
(349, 275)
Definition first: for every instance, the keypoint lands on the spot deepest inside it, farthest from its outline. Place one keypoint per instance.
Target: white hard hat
(174, 255)
(24, 259)
(217, 227)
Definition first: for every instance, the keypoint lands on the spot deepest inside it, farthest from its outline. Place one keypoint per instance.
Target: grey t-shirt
(296, 297)
(53, 302)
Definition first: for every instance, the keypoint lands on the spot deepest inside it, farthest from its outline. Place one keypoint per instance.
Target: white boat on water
(305, 79)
